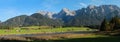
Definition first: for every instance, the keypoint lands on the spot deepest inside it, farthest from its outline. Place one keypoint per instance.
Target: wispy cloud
(83, 4)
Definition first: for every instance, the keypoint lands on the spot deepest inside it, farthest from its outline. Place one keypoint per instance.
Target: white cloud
(83, 4)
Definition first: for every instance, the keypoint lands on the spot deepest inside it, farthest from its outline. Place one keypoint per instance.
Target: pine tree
(103, 25)
(115, 23)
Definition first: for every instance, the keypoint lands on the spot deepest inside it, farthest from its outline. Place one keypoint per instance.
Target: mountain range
(91, 15)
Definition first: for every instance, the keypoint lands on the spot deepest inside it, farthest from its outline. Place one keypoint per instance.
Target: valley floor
(68, 37)
(67, 34)
(37, 30)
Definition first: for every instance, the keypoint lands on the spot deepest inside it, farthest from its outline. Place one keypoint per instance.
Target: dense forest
(113, 24)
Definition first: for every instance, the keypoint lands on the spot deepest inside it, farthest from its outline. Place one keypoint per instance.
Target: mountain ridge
(91, 15)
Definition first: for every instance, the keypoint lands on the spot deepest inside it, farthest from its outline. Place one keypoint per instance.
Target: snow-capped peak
(46, 13)
(43, 12)
(65, 9)
(91, 6)
(68, 12)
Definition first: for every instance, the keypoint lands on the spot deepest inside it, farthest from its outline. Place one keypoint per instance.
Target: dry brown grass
(61, 36)
(52, 37)
(13, 38)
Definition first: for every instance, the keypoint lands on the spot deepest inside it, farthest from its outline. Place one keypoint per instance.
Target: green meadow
(56, 38)
(36, 29)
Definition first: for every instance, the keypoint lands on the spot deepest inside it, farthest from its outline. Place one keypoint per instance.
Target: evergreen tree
(103, 25)
(115, 23)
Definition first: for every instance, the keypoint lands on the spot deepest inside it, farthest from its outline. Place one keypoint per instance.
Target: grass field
(67, 38)
(36, 30)
(58, 37)
(99, 39)
(86, 38)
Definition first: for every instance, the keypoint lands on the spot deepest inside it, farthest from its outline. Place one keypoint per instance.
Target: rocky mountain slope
(91, 15)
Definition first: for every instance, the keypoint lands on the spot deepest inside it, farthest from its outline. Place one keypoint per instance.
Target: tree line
(113, 24)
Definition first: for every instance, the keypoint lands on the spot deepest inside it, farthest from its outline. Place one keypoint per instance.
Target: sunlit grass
(48, 30)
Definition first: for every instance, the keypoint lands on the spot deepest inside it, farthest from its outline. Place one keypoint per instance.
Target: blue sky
(12, 8)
